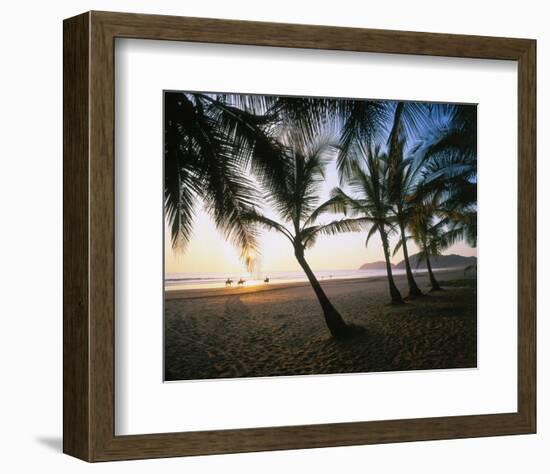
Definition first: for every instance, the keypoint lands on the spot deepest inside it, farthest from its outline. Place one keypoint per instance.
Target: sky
(208, 251)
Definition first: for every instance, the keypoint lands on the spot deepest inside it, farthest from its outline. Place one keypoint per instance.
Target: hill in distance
(374, 266)
(437, 261)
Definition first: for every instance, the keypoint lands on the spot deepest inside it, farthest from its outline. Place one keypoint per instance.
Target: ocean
(203, 280)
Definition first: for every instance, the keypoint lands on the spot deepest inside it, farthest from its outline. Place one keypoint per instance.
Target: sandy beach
(274, 330)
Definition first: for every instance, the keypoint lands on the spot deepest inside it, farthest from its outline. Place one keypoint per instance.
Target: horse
(266, 280)
(240, 282)
(228, 282)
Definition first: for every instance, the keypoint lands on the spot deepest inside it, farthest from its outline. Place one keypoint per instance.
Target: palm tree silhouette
(402, 178)
(370, 201)
(429, 236)
(296, 204)
(368, 122)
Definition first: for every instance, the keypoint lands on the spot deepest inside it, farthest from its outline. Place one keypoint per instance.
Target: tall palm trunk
(335, 323)
(433, 281)
(414, 291)
(394, 292)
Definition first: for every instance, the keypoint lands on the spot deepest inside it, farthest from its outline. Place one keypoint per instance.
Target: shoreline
(194, 293)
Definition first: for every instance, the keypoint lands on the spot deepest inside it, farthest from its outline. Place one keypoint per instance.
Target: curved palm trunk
(335, 323)
(433, 281)
(394, 292)
(414, 291)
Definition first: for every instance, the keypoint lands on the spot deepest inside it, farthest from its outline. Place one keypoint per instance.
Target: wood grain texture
(76, 367)
(102, 235)
(128, 25)
(527, 234)
(311, 436)
(89, 285)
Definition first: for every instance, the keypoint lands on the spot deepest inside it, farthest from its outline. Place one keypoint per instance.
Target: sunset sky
(208, 251)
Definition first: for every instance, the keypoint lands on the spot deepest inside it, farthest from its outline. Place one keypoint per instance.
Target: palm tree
(369, 201)
(457, 216)
(295, 203)
(429, 237)
(368, 121)
(208, 144)
(402, 178)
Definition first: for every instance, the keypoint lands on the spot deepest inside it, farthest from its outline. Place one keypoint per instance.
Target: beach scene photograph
(317, 235)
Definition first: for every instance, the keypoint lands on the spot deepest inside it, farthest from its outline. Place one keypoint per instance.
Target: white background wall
(30, 237)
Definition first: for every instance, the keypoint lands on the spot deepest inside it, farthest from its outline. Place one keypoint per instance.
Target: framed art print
(287, 236)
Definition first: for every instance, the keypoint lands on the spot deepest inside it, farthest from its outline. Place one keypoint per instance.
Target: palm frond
(334, 205)
(371, 232)
(208, 145)
(397, 247)
(252, 216)
(362, 121)
(336, 227)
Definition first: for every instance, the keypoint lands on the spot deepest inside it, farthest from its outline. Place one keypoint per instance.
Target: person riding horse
(266, 280)
(228, 282)
(241, 282)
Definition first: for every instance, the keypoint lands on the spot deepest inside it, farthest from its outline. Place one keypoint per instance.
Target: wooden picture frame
(88, 236)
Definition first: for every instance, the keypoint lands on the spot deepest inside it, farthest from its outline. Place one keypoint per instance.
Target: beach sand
(275, 330)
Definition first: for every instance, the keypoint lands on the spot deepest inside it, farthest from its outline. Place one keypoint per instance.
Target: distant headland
(437, 261)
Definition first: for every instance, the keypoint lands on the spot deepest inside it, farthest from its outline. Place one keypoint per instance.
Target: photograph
(315, 235)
